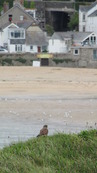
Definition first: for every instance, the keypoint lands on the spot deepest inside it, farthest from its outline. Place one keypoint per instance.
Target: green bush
(32, 5)
(50, 30)
(57, 61)
(21, 60)
(7, 60)
(29, 4)
(74, 21)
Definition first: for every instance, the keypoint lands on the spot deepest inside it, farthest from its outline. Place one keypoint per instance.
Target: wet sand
(63, 98)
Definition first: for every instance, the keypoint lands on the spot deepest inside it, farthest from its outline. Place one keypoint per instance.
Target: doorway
(44, 62)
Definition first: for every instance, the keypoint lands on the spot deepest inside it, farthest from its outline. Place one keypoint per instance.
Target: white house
(16, 39)
(88, 18)
(12, 38)
(61, 42)
(36, 40)
(23, 37)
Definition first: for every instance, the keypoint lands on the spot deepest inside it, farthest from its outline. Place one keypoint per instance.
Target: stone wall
(83, 59)
(17, 59)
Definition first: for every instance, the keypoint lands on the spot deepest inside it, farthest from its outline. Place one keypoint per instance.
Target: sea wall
(84, 58)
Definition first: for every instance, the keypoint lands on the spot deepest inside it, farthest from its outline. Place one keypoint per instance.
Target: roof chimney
(18, 2)
(22, 2)
(5, 6)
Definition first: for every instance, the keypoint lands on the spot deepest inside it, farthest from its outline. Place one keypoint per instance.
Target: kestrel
(43, 131)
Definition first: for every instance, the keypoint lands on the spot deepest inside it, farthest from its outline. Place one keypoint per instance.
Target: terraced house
(20, 33)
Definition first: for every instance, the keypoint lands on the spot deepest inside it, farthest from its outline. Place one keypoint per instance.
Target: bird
(43, 131)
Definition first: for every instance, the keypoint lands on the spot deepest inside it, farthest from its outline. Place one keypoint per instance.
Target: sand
(63, 98)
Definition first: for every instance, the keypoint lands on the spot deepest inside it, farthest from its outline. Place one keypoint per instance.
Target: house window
(95, 54)
(6, 45)
(66, 41)
(44, 48)
(21, 17)
(10, 17)
(84, 28)
(93, 39)
(76, 52)
(31, 47)
(18, 48)
(12, 34)
(84, 17)
(17, 34)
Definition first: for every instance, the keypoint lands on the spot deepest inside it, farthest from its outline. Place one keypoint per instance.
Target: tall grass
(60, 153)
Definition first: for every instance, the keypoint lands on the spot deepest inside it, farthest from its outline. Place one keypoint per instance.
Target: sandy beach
(63, 98)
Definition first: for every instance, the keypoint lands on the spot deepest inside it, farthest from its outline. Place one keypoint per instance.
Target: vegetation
(60, 153)
(6, 60)
(74, 21)
(10, 61)
(29, 4)
(10, 2)
(57, 61)
(22, 60)
(49, 30)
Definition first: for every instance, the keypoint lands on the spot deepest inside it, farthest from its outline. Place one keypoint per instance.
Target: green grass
(60, 153)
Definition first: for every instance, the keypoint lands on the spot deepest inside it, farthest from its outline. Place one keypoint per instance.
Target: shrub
(7, 60)
(57, 61)
(21, 60)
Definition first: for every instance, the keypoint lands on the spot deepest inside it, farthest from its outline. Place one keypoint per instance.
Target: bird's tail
(38, 135)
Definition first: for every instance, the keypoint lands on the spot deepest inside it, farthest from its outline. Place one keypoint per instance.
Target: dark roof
(22, 9)
(36, 38)
(21, 24)
(24, 24)
(5, 25)
(86, 8)
(93, 5)
(77, 36)
(93, 14)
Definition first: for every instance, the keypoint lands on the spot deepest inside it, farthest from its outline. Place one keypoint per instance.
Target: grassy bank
(60, 153)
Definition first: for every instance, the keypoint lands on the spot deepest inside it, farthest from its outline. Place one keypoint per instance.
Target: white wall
(90, 23)
(1, 38)
(57, 46)
(27, 49)
(81, 22)
(12, 48)
(4, 37)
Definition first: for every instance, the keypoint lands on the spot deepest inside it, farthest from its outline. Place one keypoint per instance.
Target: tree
(49, 30)
(74, 21)
(10, 2)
